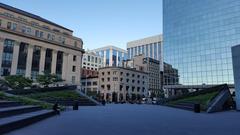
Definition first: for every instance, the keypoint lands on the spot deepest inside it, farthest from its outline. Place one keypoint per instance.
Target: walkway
(135, 120)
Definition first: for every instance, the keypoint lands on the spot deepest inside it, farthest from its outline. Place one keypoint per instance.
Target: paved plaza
(135, 120)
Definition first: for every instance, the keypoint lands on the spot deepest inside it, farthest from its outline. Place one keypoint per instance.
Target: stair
(81, 102)
(18, 116)
(183, 105)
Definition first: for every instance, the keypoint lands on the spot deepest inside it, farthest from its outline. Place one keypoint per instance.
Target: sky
(100, 22)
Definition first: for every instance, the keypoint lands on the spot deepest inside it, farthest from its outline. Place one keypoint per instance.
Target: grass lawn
(55, 95)
(203, 99)
(25, 100)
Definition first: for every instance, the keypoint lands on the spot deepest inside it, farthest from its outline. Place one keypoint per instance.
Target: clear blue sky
(100, 22)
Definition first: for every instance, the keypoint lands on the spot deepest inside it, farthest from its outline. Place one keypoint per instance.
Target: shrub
(18, 81)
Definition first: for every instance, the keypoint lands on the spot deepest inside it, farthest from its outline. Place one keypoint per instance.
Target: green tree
(18, 81)
(47, 79)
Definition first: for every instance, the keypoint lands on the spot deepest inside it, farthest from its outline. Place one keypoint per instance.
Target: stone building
(122, 84)
(31, 45)
(152, 68)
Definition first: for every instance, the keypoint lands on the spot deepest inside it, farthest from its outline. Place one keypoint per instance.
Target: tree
(47, 79)
(18, 81)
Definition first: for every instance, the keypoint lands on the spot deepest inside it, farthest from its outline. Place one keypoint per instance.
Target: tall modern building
(31, 45)
(150, 47)
(198, 36)
(112, 56)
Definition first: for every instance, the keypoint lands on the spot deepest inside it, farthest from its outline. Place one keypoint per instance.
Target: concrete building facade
(122, 84)
(31, 45)
(112, 56)
(92, 61)
(236, 71)
(150, 47)
(152, 68)
(90, 85)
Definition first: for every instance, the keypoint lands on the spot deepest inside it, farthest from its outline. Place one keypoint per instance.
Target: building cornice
(41, 39)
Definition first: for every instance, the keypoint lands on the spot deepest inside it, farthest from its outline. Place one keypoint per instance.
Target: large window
(7, 57)
(36, 61)
(22, 62)
(48, 60)
(107, 57)
(155, 51)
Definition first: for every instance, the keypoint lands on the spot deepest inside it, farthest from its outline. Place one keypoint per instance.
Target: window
(102, 79)
(74, 68)
(114, 72)
(115, 78)
(0, 22)
(14, 26)
(108, 87)
(41, 34)
(74, 57)
(108, 73)
(29, 30)
(89, 58)
(95, 83)
(138, 89)
(49, 36)
(24, 29)
(9, 25)
(102, 73)
(133, 75)
(96, 60)
(75, 43)
(133, 88)
(121, 73)
(127, 74)
(89, 83)
(127, 80)
(73, 79)
(37, 34)
(108, 78)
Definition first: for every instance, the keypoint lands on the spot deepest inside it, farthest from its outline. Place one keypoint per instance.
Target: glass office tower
(198, 36)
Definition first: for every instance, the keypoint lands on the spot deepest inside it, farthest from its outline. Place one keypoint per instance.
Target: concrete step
(10, 111)
(186, 104)
(18, 121)
(8, 104)
(190, 108)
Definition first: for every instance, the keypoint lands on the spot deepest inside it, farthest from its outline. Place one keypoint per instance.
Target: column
(15, 58)
(110, 57)
(54, 62)
(1, 51)
(65, 65)
(117, 58)
(42, 60)
(29, 61)
(78, 68)
(104, 58)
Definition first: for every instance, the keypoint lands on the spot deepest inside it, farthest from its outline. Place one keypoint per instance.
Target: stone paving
(129, 119)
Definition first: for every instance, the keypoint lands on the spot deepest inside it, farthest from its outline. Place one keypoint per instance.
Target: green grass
(25, 100)
(203, 99)
(55, 95)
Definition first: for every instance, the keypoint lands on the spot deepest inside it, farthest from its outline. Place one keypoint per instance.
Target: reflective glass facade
(112, 56)
(198, 36)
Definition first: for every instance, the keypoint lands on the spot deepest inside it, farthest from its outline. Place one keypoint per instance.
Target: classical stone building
(31, 45)
(122, 84)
